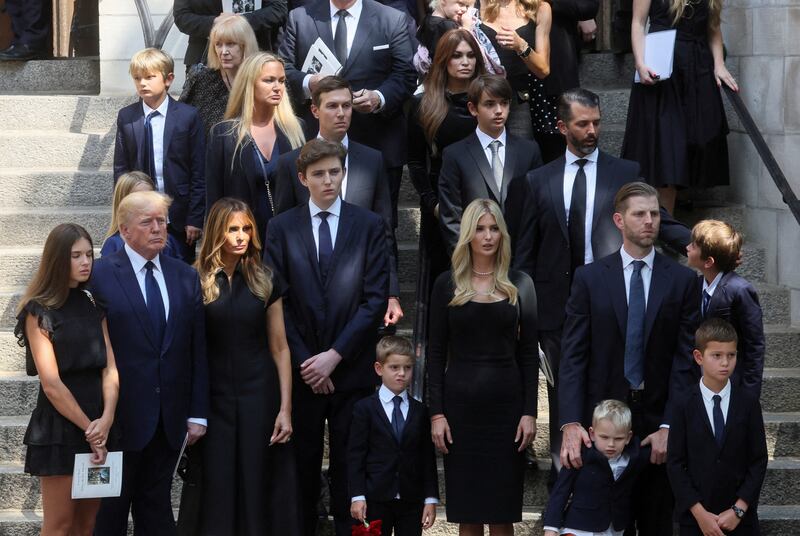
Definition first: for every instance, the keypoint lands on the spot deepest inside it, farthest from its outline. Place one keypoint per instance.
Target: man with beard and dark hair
(559, 218)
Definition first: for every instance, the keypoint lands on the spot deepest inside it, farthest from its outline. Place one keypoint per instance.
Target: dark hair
(493, 85)
(584, 97)
(718, 239)
(392, 344)
(714, 330)
(328, 84)
(317, 149)
(632, 189)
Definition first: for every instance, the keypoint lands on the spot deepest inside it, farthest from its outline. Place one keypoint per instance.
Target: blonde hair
(241, 104)
(462, 254)
(232, 29)
(677, 8)
(151, 60)
(136, 202)
(616, 412)
(209, 263)
(394, 345)
(720, 240)
(528, 8)
(126, 183)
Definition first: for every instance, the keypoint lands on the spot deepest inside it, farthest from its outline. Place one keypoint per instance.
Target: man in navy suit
(334, 257)
(628, 336)
(365, 183)
(156, 325)
(373, 45)
(164, 138)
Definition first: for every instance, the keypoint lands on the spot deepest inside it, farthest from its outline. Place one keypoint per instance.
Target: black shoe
(19, 53)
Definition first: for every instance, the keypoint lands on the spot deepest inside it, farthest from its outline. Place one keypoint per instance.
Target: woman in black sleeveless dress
(483, 375)
(66, 343)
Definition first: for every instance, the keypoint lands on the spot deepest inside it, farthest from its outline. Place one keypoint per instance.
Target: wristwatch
(525, 53)
(738, 511)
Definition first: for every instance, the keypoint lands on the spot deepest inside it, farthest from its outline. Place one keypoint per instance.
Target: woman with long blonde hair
(259, 126)
(483, 374)
(250, 412)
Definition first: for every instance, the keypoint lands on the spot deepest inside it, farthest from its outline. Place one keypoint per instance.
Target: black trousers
(399, 517)
(395, 177)
(310, 413)
(146, 492)
(31, 21)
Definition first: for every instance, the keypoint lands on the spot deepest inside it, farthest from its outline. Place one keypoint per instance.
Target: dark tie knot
(151, 115)
(638, 265)
(717, 399)
(397, 401)
(323, 215)
(581, 162)
(149, 265)
(342, 13)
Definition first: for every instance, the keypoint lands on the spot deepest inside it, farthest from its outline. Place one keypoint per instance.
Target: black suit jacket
(593, 344)
(565, 43)
(379, 59)
(537, 222)
(466, 175)
(379, 466)
(367, 187)
(736, 301)
(345, 312)
(589, 498)
(184, 150)
(699, 471)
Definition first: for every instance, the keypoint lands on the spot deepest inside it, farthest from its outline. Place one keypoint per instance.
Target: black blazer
(184, 149)
(379, 467)
(196, 17)
(367, 187)
(466, 175)
(346, 311)
(537, 223)
(379, 59)
(699, 471)
(565, 43)
(589, 498)
(239, 175)
(736, 300)
(593, 344)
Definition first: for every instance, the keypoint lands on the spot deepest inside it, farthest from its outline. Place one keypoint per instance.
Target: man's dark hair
(632, 189)
(495, 86)
(317, 149)
(584, 97)
(328, 84)
(714, 330)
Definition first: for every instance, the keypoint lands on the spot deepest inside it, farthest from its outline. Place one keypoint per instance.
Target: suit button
(158, 390)
(566, 273)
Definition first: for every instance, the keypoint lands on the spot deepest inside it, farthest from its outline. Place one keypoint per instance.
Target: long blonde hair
(126, 183)
(462, 254)
(529, 8)
(209, 263)
(677, 8)
(241, 104)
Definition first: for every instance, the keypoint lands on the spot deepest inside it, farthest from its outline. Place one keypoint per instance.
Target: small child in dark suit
(595, 499)
(717, 450)
(715, 250)
(390, 458)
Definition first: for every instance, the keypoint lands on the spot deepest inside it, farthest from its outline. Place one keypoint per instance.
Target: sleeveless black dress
(676, 129)
(76, 332)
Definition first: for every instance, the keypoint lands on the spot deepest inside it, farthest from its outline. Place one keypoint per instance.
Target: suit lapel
(378, 405)
(699, 407)
(719, 293)
(508, 166)
(659, 285)
(123, 271)
(361, 39)
(734, 411)
(557, 195)
(616, 282)
(600, 191)
(478, 154)
(138, 135)
(322, 21)
(307, 235)
(343, 234)
(173, 287)
(169, 125)
(355, 175)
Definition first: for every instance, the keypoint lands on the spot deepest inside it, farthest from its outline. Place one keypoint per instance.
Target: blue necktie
(398, 422)
(719, 421)
(706, 301)
(150, 164)
(155, 304)
(325, 245)
(634, 336)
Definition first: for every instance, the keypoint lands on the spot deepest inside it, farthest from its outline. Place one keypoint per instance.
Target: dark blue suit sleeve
(683, 375)
(450, 199)
(430, 476)
(575, 349)
(686, 495)
(200, 391)
(756, 457)
(357, 450)
(747, 315)
(559, 497)
(438, 343)
(382, 206)
(288, 51)
(674, 233)
(522, 225)
(121, 162)
(197, 196)
(403, 78)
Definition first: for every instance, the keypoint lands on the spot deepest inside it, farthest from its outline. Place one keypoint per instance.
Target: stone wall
(763, 42)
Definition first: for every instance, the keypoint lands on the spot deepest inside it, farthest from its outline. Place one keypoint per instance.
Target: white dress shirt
(647, 271)
(708, 401)
(334, 212)
(570, 171)
(485, 140)
(346, 143)
(157, 124)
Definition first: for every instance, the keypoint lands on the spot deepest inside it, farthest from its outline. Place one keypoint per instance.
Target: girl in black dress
(251, 378)
(483, 375)
(67, 345)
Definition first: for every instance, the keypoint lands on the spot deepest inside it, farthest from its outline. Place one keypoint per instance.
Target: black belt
(636, 396)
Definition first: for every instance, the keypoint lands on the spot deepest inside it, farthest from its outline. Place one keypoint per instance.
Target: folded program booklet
(91, 481)
(659, 52)
(320, 60)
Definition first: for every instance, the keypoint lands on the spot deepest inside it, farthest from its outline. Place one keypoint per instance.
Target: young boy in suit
(717, 450)
(165, 139)
(595, 499)
(390, 457)
(714, 250)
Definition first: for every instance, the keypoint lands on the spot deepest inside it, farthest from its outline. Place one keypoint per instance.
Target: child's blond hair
(719, 240)
(151, 60)
(614, 411)
(394, 345)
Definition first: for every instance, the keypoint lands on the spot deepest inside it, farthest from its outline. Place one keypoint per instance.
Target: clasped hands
(317, 369)
(97, 436)
(713, 524)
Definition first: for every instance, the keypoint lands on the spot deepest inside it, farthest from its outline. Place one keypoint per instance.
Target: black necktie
(150, 164)
(634, 334)
(340, 38)
(325, 245)
(719, 420)
(706, 300)
(398, 422)
(577, 218)
(155, 304)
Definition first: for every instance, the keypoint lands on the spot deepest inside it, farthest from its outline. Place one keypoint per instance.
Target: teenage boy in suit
(714, 250)
(596, 498)
(390, 458)
(334, 257)
(717, 455)
(164, 138)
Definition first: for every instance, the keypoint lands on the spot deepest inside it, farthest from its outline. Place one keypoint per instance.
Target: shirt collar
(591, 157)
(354, 10)
(708, 394)
(162, 109)
(485, 139)
(345, 141)
(138, 262)
(710, 288)
(627, 259)
(335, 208)
(387, 396)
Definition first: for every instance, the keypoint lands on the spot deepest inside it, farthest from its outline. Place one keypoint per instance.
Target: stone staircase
(55, 166)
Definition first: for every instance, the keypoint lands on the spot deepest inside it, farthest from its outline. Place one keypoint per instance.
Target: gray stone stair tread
(782, 373)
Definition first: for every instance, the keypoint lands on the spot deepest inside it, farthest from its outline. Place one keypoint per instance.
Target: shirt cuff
(383, 102)
(551, 528)
(306, 89)
(358, 498)
(197, 420)
(664, 426)
(431, 500)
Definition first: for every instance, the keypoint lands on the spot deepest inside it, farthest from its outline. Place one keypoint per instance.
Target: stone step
(775, 302)
(63, 112)
(76, 76)
(12, 432)
(605, 69)
(781, 390)
(47, 187)
(53, 149)
(783, 346)
(30, 226)
(714, 210)
(613, 105)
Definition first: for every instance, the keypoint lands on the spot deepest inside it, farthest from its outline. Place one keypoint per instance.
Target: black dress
(242, 476)
(431, 30)
(206, 91)
(76, 332)
(677, 128)
(491, 380)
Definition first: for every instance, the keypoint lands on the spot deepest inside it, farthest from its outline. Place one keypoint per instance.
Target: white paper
(320, 60)
(242, 6)
(91, 481)
(659, 51)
